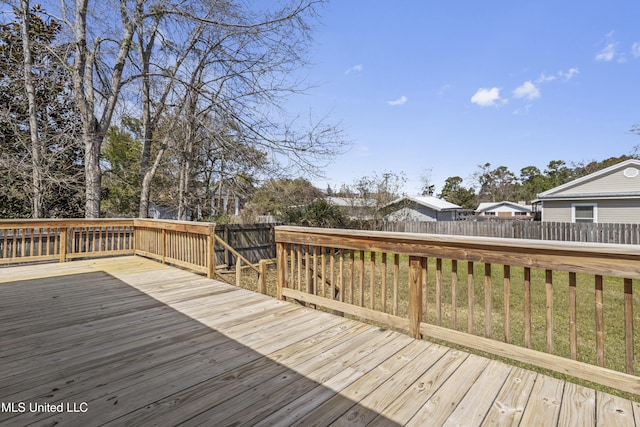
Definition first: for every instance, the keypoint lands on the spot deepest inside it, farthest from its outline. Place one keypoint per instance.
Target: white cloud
(486, 97)
(355, 69)
(400, 101)
(635, 49)
(545, 78)
(569, 74)
(609, 51)
(527, 91)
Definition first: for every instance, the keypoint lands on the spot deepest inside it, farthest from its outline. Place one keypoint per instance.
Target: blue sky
(446, 86)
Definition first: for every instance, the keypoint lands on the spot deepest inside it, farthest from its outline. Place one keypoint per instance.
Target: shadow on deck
(128, 341)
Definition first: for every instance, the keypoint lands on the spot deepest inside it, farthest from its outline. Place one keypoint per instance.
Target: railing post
(211, 252)
(415, 296)
(238, 271)
(262, 279)
(63, 244)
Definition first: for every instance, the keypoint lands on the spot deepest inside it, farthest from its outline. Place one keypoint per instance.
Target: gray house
(611, 195)
(421, 208)
(504, 210)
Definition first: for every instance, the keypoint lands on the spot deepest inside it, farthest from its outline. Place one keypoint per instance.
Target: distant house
(157, 211)
(611, 195)
(354, 208)
(504, 210)
(421, 208)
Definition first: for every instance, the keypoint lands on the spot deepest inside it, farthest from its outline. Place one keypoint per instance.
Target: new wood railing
(185, 244)
(566, 307)
(64, 239)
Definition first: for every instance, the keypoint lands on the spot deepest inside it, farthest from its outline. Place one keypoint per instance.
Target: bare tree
(235, 67)
(36, 146)
(97, 73)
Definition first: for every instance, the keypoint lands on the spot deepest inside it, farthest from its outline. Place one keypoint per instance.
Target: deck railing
(566, 307)
(64, 239)
(185, 244)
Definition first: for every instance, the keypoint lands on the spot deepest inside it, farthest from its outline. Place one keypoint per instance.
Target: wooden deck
(128, 341)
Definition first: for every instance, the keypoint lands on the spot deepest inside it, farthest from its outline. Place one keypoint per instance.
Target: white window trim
(595, 211)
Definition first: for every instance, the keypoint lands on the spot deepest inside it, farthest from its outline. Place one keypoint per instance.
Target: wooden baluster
(396, 282)
(332, 269)
(211, 253)
(439, 291)
(507, 303)
(383, 282)
(372, 278)
(5, 235)
(323, 273)
(14, 245)
(292, 265)
(281, 258)
(599, 321)
(341, 272)
(527, 307)
(22, 240)
(573, 331)
(549, 307)
(307, 270)
(454, 294)
(352, 262)
(315, 272)
(487, 300)
(628, 327)
(361, 278)
(299, 255)
(470, 296)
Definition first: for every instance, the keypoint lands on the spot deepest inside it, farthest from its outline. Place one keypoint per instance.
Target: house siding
(619, 211)
(614, 183)
(556, 211)
(609, 211)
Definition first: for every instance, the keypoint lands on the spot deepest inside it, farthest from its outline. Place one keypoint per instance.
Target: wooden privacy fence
(191, 245)
(255, 242)
(518, 229)
(560, 306)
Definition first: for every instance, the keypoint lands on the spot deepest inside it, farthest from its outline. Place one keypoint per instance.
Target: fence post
(415, 296)
(211, 252)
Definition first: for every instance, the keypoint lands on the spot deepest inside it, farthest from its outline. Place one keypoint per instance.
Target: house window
(490, 214)
(584, 213)
(522, 213)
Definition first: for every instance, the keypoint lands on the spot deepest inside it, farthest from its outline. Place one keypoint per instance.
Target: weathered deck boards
(132, 342)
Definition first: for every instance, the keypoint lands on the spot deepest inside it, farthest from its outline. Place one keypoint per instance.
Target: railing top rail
(173, 225)
(593, 258)
(63, 222)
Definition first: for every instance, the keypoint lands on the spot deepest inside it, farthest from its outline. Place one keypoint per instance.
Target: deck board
(141, 343)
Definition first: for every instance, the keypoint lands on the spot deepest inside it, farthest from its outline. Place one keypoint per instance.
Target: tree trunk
(145, 186)
(93, 174)
(37, 209)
